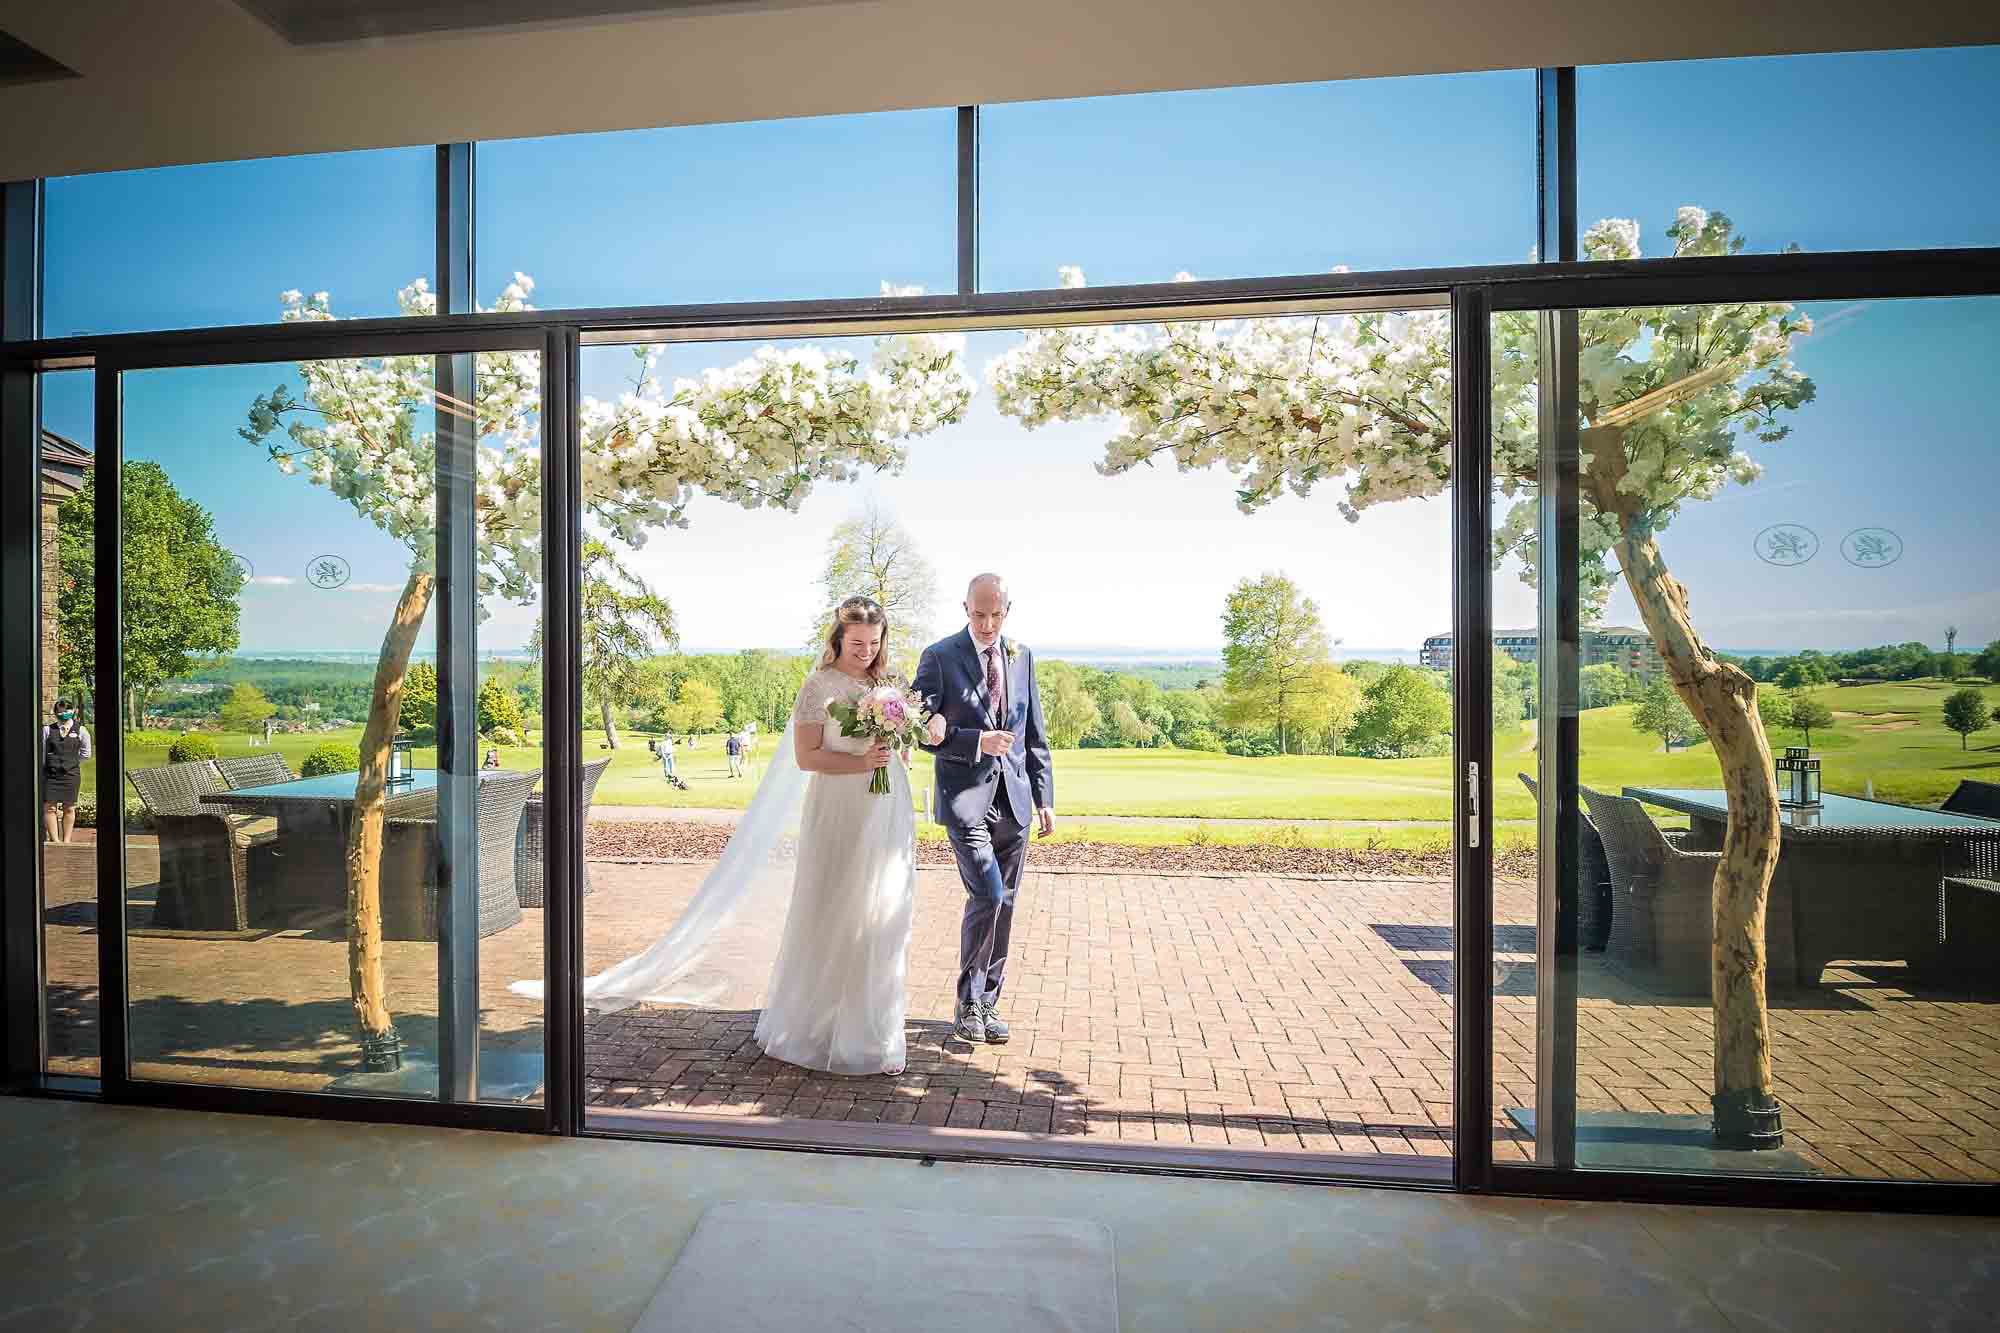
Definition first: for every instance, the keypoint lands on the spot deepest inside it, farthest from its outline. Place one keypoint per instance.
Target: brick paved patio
(1264, 1012)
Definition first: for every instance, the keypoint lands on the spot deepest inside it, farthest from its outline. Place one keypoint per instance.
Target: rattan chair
(529, 862)
(255, 770)
(205, 850)
(410, 859)
(1660, 893)
(1595, 905)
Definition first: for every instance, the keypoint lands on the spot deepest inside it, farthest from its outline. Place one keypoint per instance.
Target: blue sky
(1827, 152)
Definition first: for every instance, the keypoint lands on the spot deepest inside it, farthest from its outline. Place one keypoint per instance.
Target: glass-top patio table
(1835, 814)
(334, 788)
(1862, 879)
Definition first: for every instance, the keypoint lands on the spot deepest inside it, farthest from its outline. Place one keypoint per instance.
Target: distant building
(1630, 650)
(64, 465)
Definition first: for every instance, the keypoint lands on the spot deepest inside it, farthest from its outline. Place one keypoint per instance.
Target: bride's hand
(878, 755)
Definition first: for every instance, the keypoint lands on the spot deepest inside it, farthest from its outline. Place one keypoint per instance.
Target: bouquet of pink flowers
(888, 713)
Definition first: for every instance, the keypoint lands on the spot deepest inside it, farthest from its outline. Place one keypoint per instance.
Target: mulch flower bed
(670, 841)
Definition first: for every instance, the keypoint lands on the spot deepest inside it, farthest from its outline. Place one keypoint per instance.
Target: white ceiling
(203, 80)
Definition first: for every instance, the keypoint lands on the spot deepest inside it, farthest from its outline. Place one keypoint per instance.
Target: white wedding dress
(806, 917)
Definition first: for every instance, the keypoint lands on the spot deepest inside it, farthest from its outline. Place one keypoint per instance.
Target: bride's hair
(858, 611)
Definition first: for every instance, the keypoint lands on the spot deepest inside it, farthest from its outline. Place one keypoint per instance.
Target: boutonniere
(1012, 649)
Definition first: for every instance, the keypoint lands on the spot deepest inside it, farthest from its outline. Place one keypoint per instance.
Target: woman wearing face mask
(65, 745)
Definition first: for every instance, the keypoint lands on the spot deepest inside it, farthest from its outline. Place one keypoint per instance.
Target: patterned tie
(994, 703)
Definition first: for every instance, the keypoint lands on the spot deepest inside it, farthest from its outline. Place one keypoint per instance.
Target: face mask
(67, 717)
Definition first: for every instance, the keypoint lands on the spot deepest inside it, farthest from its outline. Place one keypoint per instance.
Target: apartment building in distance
(1630, 650)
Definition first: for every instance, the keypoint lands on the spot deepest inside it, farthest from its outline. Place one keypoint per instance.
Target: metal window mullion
(23, 972)
(1472, 736)
(108, 740)
(562, 537)
(968, 200)
(1558, 627)
(1555, 165)
(456, 628)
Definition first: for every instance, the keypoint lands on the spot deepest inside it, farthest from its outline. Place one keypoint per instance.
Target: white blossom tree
(759, 433)
(1289, 404)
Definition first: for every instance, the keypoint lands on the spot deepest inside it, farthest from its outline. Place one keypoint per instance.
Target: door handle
(1472, 802)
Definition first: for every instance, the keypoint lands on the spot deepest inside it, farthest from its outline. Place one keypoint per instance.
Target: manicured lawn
(1892, 735)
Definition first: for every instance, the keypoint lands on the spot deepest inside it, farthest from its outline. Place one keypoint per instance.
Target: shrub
(331, 757)
(1254, 747)
(1199, 738)
(186, 749)
(507, 736)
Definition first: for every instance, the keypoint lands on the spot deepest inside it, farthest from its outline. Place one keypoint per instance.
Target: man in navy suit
(992, 775)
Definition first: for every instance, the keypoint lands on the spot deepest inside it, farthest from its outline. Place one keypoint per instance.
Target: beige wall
(200, 80)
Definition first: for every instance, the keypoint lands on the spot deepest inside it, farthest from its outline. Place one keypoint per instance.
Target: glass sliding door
(323, 722)
(1757, 925)
(1238, 936)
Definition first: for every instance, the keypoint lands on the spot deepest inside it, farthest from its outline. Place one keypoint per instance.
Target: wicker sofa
(1595, 904)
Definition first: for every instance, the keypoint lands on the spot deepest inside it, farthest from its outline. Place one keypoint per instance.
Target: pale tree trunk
(610, 727)
(1724, 701)
(366, 982)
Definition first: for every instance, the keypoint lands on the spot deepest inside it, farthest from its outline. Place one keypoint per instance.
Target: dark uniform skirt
(62, 767)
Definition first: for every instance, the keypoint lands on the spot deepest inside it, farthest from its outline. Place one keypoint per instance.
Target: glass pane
(1880, 150)
(297, 810)
(70, 814)
(1240, 932)
(1251, 182)
(1838, 573)
(189, 247)
(772, 211)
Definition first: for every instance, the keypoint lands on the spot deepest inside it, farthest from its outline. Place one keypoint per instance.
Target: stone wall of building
(51, 586)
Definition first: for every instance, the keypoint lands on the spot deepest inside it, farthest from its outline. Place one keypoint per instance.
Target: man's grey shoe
(996, 1030)
(971, 1025)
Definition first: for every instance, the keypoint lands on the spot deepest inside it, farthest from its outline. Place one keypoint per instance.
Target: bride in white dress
(824, 856)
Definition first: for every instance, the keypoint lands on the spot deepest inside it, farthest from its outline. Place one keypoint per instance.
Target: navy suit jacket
(952, 680)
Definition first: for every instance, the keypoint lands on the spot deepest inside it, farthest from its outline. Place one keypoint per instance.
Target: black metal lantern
(400, 773)
(1798, 778)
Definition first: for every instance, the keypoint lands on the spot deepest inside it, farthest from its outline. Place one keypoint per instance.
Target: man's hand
(936, 729)
(1046, 818)
(995, 742)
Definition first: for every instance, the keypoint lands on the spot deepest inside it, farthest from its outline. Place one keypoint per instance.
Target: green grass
(1893, 735)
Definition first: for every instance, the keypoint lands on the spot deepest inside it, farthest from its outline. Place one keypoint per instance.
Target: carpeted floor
(134, 1219)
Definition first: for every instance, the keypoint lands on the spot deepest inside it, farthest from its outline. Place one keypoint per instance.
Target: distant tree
(1661, 713)
(1403, 713)
(1331, 702)
(1951, 638)
(499, 709)
(1509, 703)
(1987, 663)
(179, 590)
(246, 708)
(1808, 712)
(1132, 729)
(1802, 673)
(697, 708)
(1067, 706)
(1272, 640)
(623, 623)
(871, 555)
(1966, 712)
(1775, 707)
(1606, 684)
(419, 707)
(1192, 714)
